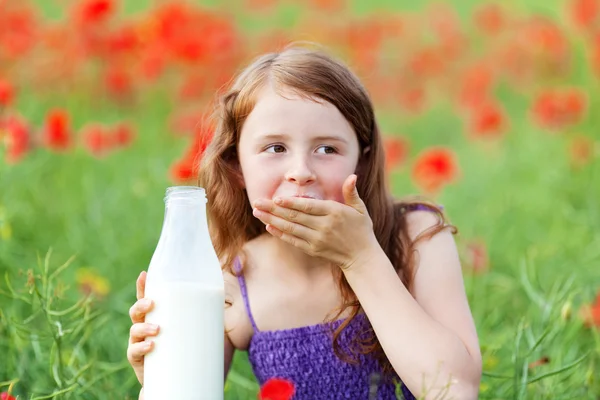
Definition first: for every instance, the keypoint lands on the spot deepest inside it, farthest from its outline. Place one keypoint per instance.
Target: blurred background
(487, 108)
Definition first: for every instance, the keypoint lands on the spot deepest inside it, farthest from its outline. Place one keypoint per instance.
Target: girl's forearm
(429, 358)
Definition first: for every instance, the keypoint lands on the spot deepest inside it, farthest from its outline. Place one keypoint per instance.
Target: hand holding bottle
(139, 346)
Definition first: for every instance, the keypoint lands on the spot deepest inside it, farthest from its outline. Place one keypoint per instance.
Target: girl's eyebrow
(320, 138)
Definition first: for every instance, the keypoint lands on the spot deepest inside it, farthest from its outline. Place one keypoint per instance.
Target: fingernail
(146, 302)
(147, 344)
(278, 200)
(154, 328)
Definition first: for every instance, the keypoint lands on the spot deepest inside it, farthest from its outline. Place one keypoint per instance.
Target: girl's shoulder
(237, 325)
(236, 277)
(421, 217)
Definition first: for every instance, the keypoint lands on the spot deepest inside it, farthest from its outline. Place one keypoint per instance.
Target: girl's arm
(229, 350)
(430, 340)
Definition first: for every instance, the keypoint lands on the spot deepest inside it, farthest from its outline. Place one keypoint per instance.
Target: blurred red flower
(581, 150)
(434, 168)
(122, 135)
(584, 13)
(118, 82)
(96, 139)
(412, 98)
(546, 44)
(277, 389)
(476, 255)
(186, 168)
(590, 313)
(123, 40)
(476, 84)
(191, 35)
(194, 86)
(16, 136)
(57, 131)
(594, 53)
(6, 396)
(7, 93)
(559, 108)
(89, 12)
(426, 63)
(490, 18)
(328, 5)
(396, 151)
(18, 29)
(487, 119)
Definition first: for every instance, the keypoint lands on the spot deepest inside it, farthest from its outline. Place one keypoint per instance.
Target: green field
(72, 224)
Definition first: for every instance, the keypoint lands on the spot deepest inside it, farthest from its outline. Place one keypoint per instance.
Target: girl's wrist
(365, 259)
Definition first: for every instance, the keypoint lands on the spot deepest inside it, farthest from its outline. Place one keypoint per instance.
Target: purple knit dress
(305, 356)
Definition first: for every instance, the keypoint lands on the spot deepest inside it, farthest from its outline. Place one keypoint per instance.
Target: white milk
(190, 342)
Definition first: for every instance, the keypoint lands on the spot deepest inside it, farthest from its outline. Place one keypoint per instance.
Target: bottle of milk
(186, 284)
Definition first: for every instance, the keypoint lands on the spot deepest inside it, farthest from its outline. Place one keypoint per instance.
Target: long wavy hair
(312, 74)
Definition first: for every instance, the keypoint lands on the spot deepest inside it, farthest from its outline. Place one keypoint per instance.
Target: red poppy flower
(412, 98)
(96, 139)
(19, 29)
(123, 40)
(122, 135)
(187, 167)
(476, 84)
(487, 119)
(328, 5)
(477, 259)
(584, 13)
(57, 130)
(6, 396)
(427, 63)
(581, 150)
(434, 168)
(277, 389)
(594, 53)
(545, 39)
(558, 108)
(118, 82)
(591, 313)
(396, 151)
(183, 170)
(16, 135)
(91, 12)
(193, 87)
(7, 93)
(490, 18)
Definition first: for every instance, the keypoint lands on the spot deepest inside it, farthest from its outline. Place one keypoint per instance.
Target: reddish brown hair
(315, 75)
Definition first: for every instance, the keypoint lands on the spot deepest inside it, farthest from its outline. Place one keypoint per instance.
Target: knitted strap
(244, 290)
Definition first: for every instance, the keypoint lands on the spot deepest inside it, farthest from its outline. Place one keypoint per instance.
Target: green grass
(539, 217)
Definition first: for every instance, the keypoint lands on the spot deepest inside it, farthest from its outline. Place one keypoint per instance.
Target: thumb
(351, 196)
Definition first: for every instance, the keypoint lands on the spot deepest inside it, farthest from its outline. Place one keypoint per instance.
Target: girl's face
(296, 147)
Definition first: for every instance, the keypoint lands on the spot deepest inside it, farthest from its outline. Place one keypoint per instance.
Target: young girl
(330, 283)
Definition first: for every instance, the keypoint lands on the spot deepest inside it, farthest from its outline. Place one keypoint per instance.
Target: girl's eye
(328, 149)
(276, 148)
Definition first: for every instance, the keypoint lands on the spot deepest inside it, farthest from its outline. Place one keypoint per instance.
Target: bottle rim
(185, 192)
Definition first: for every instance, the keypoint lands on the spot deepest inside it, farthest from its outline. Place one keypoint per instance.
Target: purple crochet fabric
(305, 356)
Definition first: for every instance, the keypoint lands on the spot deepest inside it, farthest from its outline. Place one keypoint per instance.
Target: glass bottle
(185, 282)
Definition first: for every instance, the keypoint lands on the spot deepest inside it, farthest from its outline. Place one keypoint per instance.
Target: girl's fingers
(140, 331)
(140, 285)
(138, 311)
(137, 351)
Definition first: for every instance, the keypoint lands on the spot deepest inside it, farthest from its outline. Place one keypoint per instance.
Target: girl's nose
(300, 173)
